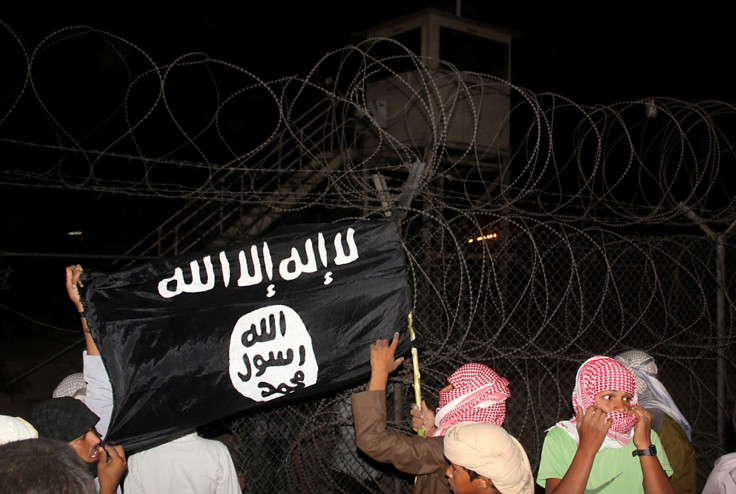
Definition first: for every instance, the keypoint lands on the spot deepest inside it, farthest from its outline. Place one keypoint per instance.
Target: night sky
(600, 54)
(605, 56)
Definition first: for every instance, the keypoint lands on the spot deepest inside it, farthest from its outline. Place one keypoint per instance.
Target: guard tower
(467, 107)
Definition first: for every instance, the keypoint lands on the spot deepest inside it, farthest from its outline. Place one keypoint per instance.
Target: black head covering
(63, 418)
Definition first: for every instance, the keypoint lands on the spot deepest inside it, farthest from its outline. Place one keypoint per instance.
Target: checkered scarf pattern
(478, 394)
(651, 391)
(638, 363)
(599, 374)
(72, 385)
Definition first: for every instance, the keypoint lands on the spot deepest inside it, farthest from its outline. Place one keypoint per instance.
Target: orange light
(482, 238)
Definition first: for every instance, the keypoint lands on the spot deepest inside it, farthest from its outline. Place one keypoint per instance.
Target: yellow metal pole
(417, 376)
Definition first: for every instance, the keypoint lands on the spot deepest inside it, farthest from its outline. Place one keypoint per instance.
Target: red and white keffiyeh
(598, 374)
(478, 394)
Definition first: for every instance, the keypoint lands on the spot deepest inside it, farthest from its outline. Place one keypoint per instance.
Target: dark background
(604, 54)
(601, 54)
(598, 54)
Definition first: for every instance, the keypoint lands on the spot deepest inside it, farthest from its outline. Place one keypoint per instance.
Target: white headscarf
(72, 385)
(652, 393)
(15, 429)
(489, 450)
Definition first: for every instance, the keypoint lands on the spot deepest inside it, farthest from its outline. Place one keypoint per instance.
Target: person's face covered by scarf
(476, 394)
(607, 384)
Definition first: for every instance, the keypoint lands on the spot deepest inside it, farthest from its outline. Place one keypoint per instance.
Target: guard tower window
(469, 52)
(411, 39)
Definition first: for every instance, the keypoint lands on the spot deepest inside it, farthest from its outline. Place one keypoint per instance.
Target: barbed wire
(92, 111)
(539, 231)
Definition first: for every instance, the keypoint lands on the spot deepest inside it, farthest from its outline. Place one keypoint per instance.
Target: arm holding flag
(383, 363)
(73, 284)
(99, 397)
(411, 454)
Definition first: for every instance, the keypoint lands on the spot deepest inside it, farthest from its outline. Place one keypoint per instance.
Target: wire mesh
(600, 229)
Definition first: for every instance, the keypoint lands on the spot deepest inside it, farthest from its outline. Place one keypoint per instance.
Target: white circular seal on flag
(271, 354)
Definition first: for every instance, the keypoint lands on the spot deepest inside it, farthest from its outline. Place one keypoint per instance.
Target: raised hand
(73, 273)
(383, 362)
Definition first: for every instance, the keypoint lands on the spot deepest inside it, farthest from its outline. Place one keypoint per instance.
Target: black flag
(196, 338)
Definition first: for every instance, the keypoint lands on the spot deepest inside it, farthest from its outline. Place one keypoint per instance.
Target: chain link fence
(533, 305)
(590, 233)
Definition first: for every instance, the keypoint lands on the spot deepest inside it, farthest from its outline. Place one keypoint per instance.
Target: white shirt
(722, 480)
(98, 397)
(190, 464)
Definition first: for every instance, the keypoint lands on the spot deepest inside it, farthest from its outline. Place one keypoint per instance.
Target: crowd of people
(76, 418)
(626, 435)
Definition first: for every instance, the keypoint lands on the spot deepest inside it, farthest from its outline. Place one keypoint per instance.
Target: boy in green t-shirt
(609, 446)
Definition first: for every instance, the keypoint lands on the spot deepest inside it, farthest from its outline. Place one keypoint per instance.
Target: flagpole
(417, 376)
